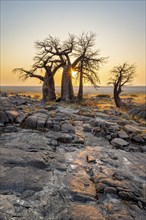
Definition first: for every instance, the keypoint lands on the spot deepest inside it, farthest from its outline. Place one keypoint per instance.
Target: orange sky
(121, 36)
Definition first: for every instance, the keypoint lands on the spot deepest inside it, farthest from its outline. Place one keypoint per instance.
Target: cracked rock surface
(60, 163)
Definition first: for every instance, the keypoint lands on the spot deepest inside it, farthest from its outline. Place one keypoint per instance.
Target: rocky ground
(70, 162)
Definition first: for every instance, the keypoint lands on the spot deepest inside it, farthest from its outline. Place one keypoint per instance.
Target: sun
(74, 73)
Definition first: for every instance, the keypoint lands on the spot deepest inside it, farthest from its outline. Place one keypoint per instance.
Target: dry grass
(93, 101)
(135, 105)
(135, 98)
(35, 95)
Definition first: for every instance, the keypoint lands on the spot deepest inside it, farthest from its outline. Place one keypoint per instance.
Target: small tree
(90, 62)
(121, 75)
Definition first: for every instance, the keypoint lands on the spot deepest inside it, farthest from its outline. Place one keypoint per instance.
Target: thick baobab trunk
(71, 91)
(80, 92)
(67, 92)
(49, 87)
(117, 99)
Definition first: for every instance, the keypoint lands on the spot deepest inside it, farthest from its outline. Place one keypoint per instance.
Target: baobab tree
(88, 72)
(52, 55)
(50, 68)
(63, 52)
(121, 75)
(70, 53)
(75, 52)
(90, 62)
(47, 61)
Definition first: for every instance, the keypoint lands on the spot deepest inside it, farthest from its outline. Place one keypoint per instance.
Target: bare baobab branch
(25, 74)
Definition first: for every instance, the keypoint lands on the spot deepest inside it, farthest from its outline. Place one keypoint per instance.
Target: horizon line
(73, 86)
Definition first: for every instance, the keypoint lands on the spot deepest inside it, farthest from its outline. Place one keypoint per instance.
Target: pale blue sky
(119, 25)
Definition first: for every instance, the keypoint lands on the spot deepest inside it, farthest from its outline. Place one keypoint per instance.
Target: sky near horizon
(119, 25)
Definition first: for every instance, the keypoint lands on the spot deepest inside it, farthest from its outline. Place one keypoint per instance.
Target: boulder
(103, 124)
(138, 139)
(3, 117)
(20, 118)
(41, 122)
(65, 138)
(6, 104)
(114, 128)
(12, 115)
(100, 187)
(113, 135)
(37, 120)
(79, 140)
(123, 135)
(42, 119)
(99, 123)
(49, 124)
(56, 127)
(40, 115)
(20, 102)
(108, 137)
(103, 133)
(67, 128)
(87, 128)
(119, 143)
(31, 122)
(110, 190)
(96, 130)
(132, 129)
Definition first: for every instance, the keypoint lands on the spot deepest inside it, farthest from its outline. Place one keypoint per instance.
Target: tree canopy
(75, 53)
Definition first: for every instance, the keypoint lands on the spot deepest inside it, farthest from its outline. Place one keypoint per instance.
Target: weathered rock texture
(61, 165)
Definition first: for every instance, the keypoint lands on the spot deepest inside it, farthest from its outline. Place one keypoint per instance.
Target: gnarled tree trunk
(48, 87)
(80, 92)
(67, 92)
(117, 99)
